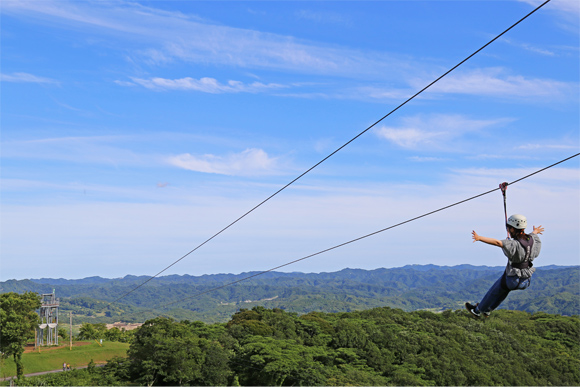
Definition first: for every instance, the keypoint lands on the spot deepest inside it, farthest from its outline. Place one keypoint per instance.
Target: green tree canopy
(169, 353)
(18, 320)
(90, 331)
(380, 346)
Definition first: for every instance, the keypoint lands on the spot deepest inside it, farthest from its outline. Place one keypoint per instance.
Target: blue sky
(133, 131)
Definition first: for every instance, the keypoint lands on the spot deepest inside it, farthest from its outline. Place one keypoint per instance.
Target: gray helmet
(517, 221)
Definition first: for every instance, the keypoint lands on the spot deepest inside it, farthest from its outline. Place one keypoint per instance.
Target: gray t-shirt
(516, 253)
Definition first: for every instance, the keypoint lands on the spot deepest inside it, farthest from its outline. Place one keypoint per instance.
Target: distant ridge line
(94, 280)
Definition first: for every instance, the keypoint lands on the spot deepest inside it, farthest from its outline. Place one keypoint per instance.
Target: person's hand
(475, 236)
(538, 230)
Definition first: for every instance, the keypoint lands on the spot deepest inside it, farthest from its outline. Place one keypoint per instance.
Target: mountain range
(215, 297)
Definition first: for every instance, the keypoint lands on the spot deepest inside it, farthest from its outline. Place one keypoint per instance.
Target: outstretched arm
(538, 230)
(489, 241)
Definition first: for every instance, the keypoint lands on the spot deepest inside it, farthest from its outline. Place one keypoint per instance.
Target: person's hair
(516, 231)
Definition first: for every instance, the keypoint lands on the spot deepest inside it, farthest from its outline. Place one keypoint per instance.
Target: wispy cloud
(205, 85)
(26, 78)
(434, 131)
(566, 6)
(420, 159)
(499, 156)
(568, 11)
(562, 174)
(497, 82)
(374, 92)
(529, 47)
(549, 146)
(175, 36)
(121, 151)
(250, 162)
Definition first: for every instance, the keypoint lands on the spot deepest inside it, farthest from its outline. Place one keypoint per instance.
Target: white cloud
(420, 159)
(495, 82)
(173, 36)
(408, 137)
(206, 85)
(26, 78)
(499, 156)
(548, 146)
(125, 83)
(120, 151)
(432, 131)
(566, 13)
(563, 175)
(118, 238)
(566, 6)
(247, 163)
(566, 9)
(381, 93)
(529, 47)
(191, 39)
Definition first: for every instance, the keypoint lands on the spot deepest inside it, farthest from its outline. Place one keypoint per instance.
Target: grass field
(48, 360)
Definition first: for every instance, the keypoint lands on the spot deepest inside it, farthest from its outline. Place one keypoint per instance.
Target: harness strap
(503, 187)
(526, 242)
(503, 283)
(522, 265)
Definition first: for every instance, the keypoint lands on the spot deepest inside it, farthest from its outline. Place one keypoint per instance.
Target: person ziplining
(521, 249)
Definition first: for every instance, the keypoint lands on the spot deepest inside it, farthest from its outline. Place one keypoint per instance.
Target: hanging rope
(503, 187)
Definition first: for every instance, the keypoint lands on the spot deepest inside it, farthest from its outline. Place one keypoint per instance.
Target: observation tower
(47, 331)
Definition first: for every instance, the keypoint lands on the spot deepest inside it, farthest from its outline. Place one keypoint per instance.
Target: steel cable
(365, 236)
(333, 153)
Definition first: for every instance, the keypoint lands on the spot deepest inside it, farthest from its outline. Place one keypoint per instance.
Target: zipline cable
(365, 236)
(336, 151)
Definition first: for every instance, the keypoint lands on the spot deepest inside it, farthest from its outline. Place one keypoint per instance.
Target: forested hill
(374, 347)
(554, 290)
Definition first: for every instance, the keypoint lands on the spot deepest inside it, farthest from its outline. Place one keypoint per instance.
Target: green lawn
(49, 360)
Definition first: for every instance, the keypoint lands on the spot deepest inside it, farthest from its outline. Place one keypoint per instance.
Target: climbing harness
(503, 188)
(521, 284)
(526, 243)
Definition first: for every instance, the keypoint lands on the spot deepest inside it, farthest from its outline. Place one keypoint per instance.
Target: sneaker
(471, 309)
(486, 314)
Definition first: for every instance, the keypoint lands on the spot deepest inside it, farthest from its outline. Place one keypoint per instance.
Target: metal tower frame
(48, 320)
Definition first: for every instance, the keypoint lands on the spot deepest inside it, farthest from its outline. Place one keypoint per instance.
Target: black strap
(522, 265)
(504, 286)
(503, 187)
(527, 242)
